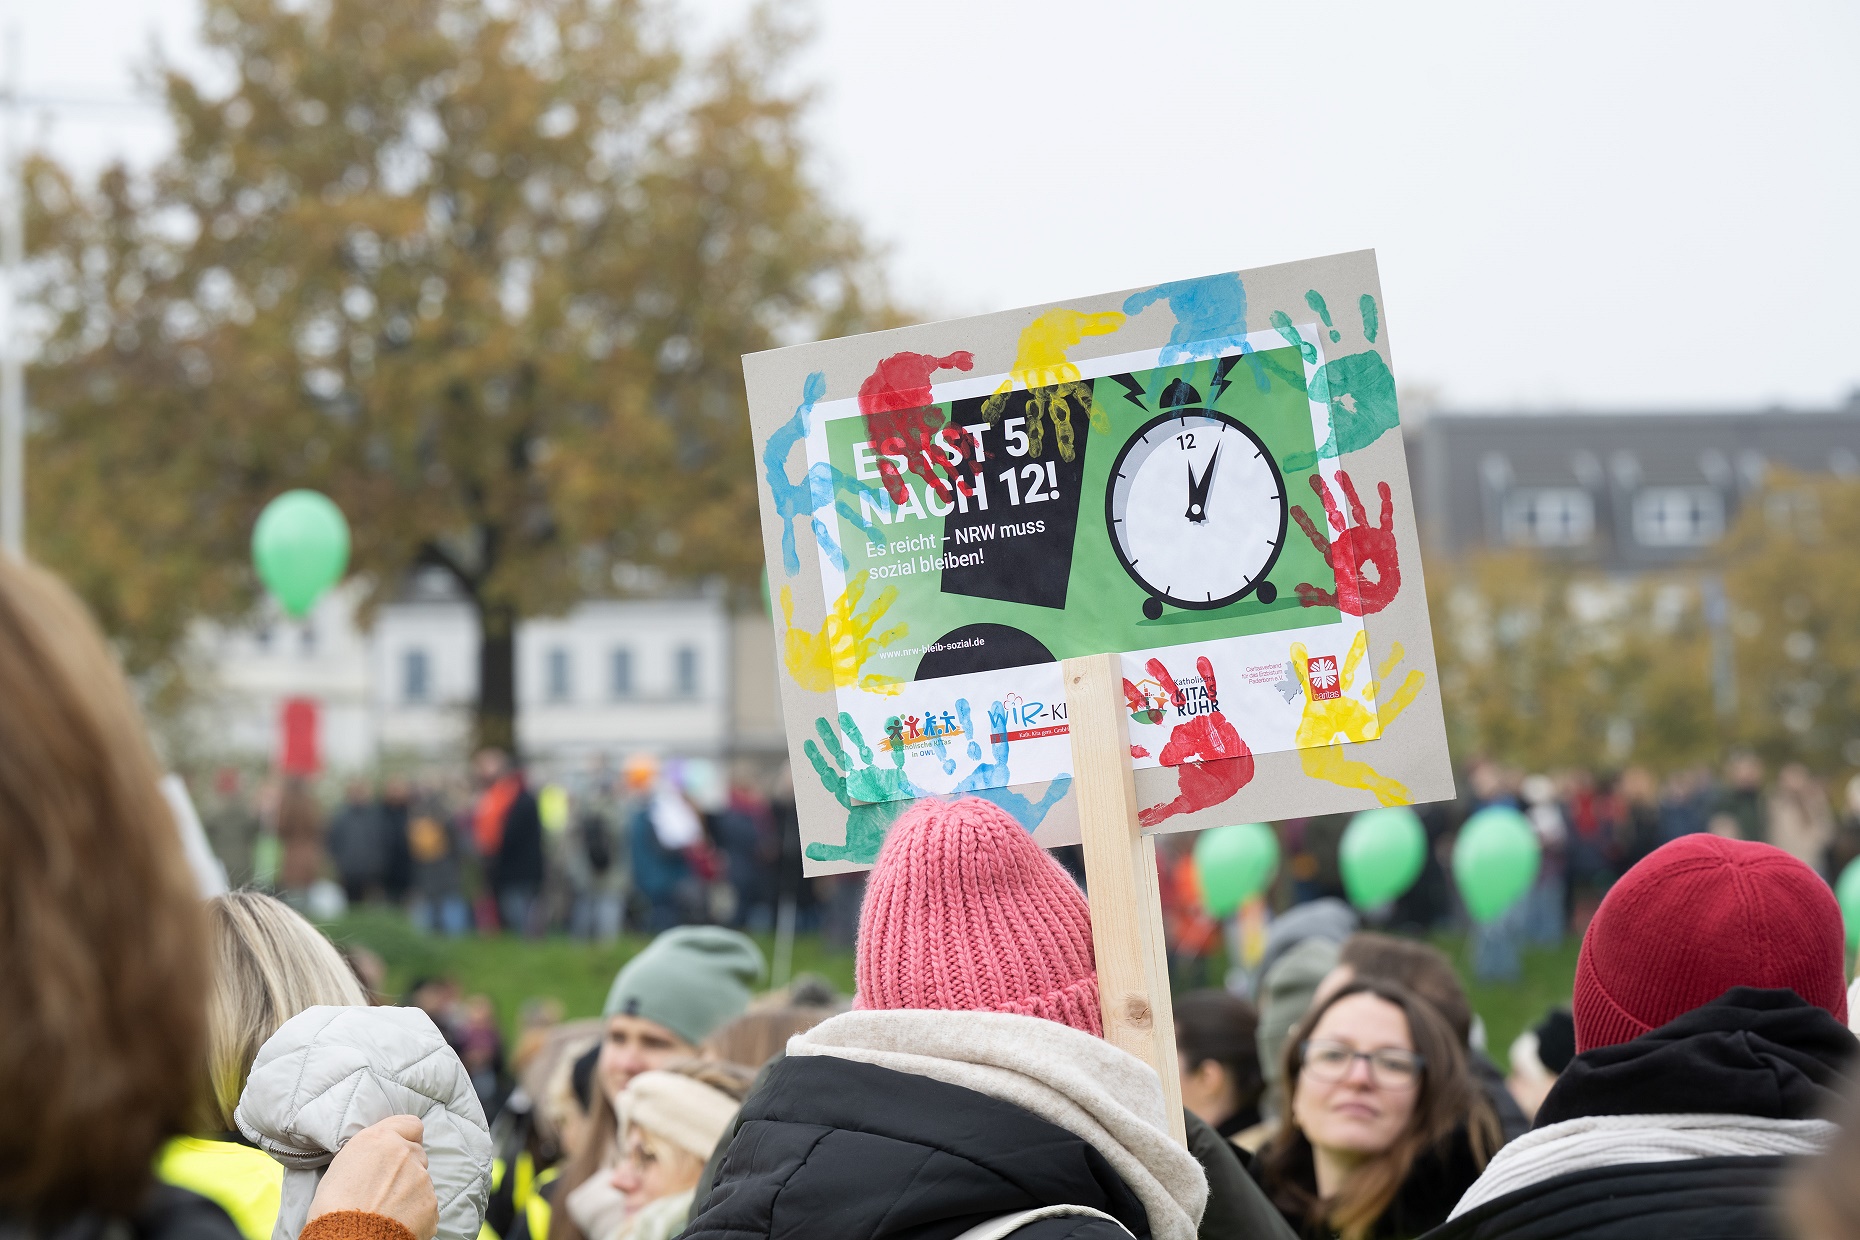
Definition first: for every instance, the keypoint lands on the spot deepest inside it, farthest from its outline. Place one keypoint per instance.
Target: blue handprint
(817, 490)
(989, 780)
(1210, 318)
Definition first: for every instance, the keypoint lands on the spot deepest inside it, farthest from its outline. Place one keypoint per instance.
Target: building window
(620, 672)
(1549, 517)
(416, 681)
(558, 674)
(685, 671)
(1678, 517)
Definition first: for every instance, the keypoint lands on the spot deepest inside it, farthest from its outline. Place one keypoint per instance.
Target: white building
(669, 675)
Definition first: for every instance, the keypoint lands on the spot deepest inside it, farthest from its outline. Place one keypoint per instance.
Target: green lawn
(577, 974)
(512, 970)
(1510, 1009)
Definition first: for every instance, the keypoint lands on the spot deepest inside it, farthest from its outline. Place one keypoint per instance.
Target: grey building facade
(1624, 492)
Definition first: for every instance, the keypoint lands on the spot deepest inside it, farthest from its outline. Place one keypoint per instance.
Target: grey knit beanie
(691, 980)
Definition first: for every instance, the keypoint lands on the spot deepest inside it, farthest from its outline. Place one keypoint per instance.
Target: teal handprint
(1358, 388)
(874, 795)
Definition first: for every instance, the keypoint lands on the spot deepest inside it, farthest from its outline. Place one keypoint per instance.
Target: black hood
(1765, 1053)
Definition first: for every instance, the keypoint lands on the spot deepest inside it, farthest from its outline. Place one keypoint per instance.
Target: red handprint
(1355, 548)
(1212, 761)
(895, 399)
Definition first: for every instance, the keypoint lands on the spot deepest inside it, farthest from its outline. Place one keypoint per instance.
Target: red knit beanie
(964, 912)
(1695, 918)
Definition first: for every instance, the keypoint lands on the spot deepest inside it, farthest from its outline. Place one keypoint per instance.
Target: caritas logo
(1321, 672)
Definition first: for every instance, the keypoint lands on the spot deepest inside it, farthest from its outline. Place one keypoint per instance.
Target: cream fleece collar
(1614, 1140)
(1102, 1095)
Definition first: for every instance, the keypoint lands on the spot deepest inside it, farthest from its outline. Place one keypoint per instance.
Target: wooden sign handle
(1120, 870)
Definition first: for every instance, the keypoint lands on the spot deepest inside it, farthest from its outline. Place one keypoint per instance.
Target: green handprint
(1358, 388)
(874, 795)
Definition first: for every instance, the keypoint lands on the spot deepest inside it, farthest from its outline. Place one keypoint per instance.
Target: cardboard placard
(1205, 478)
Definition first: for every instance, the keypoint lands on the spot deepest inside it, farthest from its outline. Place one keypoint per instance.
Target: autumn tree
(1791, 574)
(1752, 646)
(1546, 667)
(481, 270)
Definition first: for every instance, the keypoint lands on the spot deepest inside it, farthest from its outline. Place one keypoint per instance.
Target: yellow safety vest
(244, 1182)
(519, 1191)
(537, 1210)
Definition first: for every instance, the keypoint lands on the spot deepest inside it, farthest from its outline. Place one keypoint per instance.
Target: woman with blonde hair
(103, 979)
(269, 964)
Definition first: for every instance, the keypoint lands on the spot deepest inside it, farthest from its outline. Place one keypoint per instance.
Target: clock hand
(1198, 490)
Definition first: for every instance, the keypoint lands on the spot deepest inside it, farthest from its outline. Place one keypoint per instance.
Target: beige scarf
(1100, 1094)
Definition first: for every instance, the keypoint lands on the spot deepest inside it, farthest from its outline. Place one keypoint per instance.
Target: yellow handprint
(1052, 381)
(1352, 717)
(832, 658)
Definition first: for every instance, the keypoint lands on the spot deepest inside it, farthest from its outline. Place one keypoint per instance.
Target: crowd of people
(642, 844)
(180, 1068)
(590, 850)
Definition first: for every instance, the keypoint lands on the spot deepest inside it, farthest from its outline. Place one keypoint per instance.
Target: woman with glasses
(1379, 1139)
(670, 1123)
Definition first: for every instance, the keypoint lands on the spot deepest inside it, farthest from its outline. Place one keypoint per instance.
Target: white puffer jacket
(332, 1071)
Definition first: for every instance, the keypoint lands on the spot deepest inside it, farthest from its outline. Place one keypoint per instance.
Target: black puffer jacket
(1236, 1210)
(1763, 1054)
(834, 1147)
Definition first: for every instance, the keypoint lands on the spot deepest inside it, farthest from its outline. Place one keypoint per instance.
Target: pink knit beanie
(964, 912)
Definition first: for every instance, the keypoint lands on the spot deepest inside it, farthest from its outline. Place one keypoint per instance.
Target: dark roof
(1480, 479)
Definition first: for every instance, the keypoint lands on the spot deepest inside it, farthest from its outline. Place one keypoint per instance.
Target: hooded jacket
(1236, 1206)
(927, 1123)
(1683, 1131)
(330, 1072)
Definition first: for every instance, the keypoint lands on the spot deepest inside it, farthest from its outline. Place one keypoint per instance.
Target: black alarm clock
(1196, 507)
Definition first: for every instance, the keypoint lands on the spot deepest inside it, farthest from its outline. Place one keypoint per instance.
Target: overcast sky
(1598, 205)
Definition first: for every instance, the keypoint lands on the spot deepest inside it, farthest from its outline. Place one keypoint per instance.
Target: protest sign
(1204, 478)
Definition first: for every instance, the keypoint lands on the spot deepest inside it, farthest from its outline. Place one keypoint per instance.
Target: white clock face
(1196, 509)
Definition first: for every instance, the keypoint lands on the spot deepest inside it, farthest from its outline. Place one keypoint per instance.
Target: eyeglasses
(1390, 1068)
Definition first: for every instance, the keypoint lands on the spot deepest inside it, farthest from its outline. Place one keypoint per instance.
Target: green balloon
(1847, 891)
(1495, 861)
(300, 547)
(1381, 855)
(1234, 864)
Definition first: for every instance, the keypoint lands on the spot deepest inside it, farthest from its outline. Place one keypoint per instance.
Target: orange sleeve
(354, 1225)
